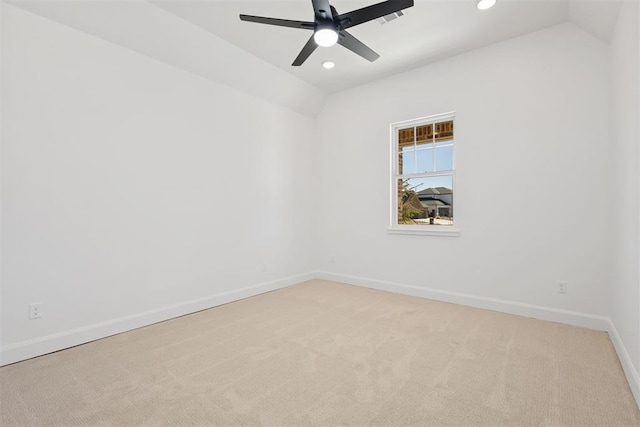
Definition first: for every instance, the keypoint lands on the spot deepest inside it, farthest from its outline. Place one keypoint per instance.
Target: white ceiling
(430, 31)
(203, 36)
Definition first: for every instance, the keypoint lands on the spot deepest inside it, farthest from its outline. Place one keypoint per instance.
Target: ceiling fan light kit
(325, 37)
(485, 4)
(329, 27)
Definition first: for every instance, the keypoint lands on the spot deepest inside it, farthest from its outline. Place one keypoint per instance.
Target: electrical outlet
(264, 267)
(332, 259)
(35, 310)
(562, 287)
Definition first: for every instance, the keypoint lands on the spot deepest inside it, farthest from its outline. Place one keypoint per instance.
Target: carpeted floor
(323, 353)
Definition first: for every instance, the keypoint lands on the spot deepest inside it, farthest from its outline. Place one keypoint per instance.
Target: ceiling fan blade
(322, 9)
(279, 22)
(305, 52)
(356, 46)
(369, 13)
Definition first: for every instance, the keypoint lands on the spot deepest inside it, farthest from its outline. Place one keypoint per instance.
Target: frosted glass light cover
(325, 37)
(485, 4)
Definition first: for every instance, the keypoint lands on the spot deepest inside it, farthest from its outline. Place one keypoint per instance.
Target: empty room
(320, 212)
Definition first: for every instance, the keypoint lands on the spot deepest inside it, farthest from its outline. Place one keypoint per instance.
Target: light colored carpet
(323, 353)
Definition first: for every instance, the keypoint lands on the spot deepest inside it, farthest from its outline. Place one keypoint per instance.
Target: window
(422, 175)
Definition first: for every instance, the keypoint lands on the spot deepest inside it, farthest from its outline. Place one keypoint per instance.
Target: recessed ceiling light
(328, 64)
(325, 37)
(485, 4)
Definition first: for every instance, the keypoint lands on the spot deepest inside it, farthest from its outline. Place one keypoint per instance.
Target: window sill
(422, 231)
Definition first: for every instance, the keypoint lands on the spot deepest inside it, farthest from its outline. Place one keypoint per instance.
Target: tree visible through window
(423, 171)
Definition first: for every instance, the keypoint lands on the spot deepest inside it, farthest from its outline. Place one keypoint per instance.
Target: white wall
(133, 191)
(1, 133)
(180, 43)
(533, 181)
(625, 113)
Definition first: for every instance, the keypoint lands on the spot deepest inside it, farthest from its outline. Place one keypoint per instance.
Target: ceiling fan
(329, 27)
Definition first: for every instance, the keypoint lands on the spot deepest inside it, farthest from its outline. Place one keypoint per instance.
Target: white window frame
(426, 229)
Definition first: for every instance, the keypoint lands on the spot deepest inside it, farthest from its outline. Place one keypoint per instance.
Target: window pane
(406, 136)
(444, 158)
(424, 133)
(426, 201)
(425, 161)
(407, 161)
(444, 131)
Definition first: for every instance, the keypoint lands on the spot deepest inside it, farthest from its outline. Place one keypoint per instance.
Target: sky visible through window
(422, 160)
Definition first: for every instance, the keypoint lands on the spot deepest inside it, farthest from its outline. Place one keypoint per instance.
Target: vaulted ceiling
(203, 37)
(429, 31)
